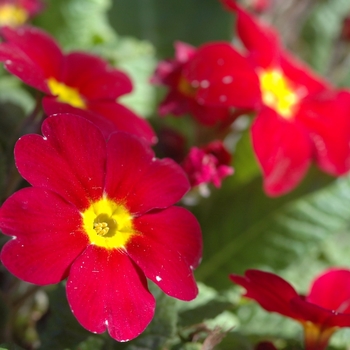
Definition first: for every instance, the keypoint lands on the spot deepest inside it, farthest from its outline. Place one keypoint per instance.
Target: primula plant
(174, 175)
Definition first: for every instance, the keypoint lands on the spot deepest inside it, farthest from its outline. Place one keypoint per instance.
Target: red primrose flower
(321, 312)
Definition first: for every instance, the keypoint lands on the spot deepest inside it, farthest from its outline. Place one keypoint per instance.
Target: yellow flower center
(12, 15)
(186, 88)
(108, 224)
(66, 94)
(277, 92)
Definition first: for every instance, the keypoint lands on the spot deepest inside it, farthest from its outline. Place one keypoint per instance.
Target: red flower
(321, 312)
(77, 83)
(17, 12)
(299, 117)
(209, 164)
(265, 345)
(180, 99)
(102, 215)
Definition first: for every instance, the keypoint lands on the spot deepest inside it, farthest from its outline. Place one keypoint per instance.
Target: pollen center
(108, 224)
(12, 15)
(185, 87)
(277, 92)
(66, 94)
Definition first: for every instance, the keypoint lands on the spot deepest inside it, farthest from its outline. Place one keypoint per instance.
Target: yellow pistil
(108, 224)
(186, 88)
(66, 94)
(277, 92)
(12, 15)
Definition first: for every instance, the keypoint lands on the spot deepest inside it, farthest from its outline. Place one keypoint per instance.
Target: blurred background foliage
(296, 235)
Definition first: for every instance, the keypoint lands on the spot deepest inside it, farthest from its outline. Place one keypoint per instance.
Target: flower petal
(137, 179)
(301, 75)
(69, 159)
(271, 291)
(124, 119)
(326, 117)
(26, 53)
(106, 290)
(283, 150)
(47, 235)
(93, 77)
(261, 41)
(167, 249)
(331, 290)
(223, 77)
(52, 106)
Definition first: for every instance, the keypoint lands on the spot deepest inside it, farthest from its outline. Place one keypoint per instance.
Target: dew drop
(227, 80)
(204, 84)
(158, 278)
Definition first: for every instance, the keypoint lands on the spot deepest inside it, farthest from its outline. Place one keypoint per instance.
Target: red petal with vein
(94, 78)
(124, 119)
(283, 149)
(168, 246)
(48, 236)
(69, 159)
(26, 53)
(223, 77)
(137, 179)
(261, 41)
(52, 106)
(271, 291)
(298, 73)
(106, 290)
(326, 118)
(326, 318)
(108, 116)
(331, 290)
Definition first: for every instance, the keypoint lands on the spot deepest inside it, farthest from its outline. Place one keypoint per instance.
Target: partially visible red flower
(299, 116)
(265, 345)
(345, 33)
(78, 82)
(208, 164)
(321, 312)
(17, 12)
(181, 99)
(260, 5)
(100, 214)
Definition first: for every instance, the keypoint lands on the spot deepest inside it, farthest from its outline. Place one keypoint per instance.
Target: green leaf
(163, 326)
(77, 24)
(59, 329)
(244, 229)
(322, 30)
(137, 59)
(163, 22)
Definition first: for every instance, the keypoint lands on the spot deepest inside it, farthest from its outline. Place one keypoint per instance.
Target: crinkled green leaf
(163, 326)
(137, 59)
(77, 24)
(245, 229)
(59, 329)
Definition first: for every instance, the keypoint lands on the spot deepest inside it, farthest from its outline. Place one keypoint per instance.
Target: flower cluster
(101, 206)
(299, 116)
(92, 204)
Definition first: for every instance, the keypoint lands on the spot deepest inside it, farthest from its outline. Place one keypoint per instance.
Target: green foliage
(59, 329)
(297, 235)
(164, 22)
(77, 24)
